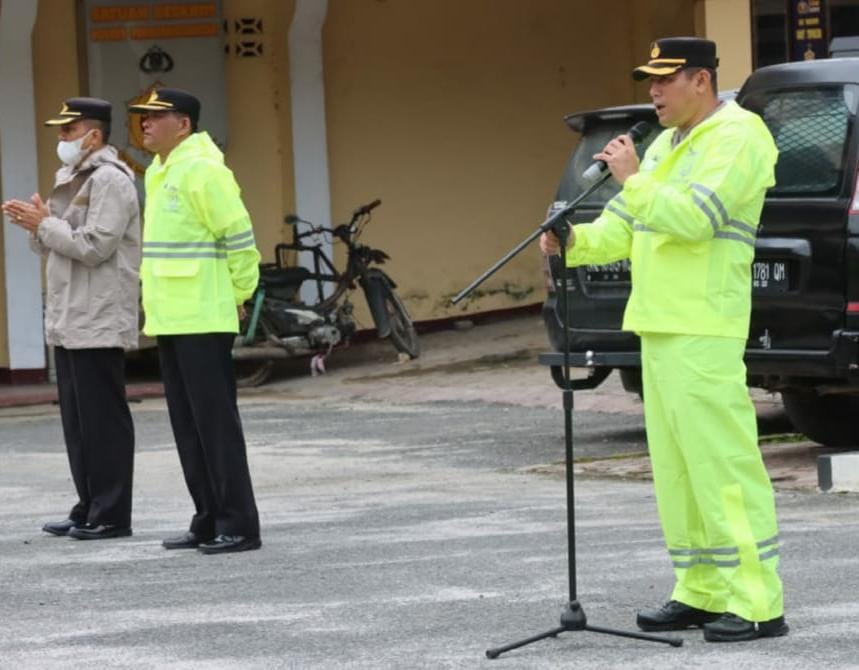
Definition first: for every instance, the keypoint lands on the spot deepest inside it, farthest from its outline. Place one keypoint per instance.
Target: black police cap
(672, 54)
(75, 109)
(170, 100)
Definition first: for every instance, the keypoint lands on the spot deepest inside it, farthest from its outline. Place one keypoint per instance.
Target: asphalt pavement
(413, 516)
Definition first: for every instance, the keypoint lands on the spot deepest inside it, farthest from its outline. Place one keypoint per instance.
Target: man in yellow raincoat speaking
(687, 218)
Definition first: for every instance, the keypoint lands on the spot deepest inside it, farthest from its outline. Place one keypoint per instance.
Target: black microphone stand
(573, 616)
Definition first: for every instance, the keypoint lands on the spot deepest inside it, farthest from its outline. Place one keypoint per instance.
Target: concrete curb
(838, 472)
(45, 394)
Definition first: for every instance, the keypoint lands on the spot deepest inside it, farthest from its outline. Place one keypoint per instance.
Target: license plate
(770, 277)
(767, 276)
(611, 273)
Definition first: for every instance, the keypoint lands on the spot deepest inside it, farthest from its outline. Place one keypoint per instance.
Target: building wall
(729, 24)
(4, 331)
(260, 144)
(450, 111)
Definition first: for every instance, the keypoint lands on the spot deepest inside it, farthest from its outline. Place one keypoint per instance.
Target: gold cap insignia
(654, 50)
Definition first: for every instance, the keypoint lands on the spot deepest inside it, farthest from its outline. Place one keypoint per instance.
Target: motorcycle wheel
(404, 337)
(250, 373)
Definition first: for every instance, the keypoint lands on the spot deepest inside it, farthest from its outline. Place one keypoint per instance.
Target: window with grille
(810, 127)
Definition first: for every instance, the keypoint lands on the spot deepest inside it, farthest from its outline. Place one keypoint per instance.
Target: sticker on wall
(156, 60)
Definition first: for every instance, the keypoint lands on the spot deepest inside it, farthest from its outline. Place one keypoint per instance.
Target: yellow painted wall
(451, 112)
(4, 333)
(729, 24)
(55, 74)
(258, 110)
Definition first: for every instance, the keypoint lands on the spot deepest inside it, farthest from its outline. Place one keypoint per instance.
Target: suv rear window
(810, 126)
(593, 141)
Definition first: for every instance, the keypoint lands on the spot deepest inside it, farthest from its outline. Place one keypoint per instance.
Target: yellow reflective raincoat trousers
(687, 221)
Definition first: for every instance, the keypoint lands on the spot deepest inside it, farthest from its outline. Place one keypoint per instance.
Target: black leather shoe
(731, 628)
(225, 544)
(103, 532)
(673, 615)
(189, 540)
(59, 527)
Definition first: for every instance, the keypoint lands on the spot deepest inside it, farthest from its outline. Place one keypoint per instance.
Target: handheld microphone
(638, 132)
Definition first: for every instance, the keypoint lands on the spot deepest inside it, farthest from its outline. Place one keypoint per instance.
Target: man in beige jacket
(90, 232)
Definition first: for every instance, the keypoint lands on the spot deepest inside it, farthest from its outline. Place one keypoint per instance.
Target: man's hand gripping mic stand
(573, 617)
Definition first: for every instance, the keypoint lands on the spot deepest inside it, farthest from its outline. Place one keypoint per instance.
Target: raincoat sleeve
(606, 240)
(112, 206)
(731, 167)
(35, 245)
(218, 198)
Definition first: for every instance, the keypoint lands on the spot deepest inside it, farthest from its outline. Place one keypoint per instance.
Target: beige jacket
(92, 244)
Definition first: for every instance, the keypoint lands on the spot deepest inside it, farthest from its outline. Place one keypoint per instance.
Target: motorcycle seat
(283, 277)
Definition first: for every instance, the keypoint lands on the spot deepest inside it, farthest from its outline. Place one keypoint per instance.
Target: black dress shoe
(189, 540)
(731, 628)
(225, 544)
(102, 532)
(674, 615)
(59, 527)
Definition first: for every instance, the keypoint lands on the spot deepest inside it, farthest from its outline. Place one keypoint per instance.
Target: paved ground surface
(413, 515)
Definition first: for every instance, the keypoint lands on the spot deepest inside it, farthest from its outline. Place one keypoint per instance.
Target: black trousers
(99, 433)
(200, 386)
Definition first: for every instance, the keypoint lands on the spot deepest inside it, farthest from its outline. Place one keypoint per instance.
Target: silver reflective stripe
(240, 245)
(699, 560)
(771, 540)
(183, 245)
(185, 254)
(768, 554)
(739, 225)
(734, 236)
(239, 236)
(641, 228)
(619, 200)
(721, 551)
(618, 212)
(712, 197)
(702, 205)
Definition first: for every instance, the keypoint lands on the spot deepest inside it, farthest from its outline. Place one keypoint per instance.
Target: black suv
(804, 334)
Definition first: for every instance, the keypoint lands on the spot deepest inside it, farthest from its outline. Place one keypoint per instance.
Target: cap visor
(63, 120)
(645, 71)
(151, 108)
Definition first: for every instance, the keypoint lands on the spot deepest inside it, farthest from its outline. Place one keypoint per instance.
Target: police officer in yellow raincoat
(687, 217)
(200, 264)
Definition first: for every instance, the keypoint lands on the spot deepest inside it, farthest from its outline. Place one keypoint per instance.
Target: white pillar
(18, 167)
(309, 133)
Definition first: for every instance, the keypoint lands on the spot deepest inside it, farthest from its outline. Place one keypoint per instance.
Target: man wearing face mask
(89, 230)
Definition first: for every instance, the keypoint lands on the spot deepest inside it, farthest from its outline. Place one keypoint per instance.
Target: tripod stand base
(573, 619)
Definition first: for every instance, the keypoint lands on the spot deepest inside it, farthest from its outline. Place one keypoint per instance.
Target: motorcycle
(278, 325)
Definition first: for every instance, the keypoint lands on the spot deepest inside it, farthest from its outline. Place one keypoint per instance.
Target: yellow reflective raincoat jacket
(687, 221)
(199, 256)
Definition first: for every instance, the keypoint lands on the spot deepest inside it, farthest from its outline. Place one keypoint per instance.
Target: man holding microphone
(687, 217)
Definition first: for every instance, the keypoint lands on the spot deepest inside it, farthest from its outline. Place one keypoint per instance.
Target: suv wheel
(828, 419)
(630, 378)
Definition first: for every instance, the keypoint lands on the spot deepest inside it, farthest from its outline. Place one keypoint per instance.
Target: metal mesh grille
(810, 129)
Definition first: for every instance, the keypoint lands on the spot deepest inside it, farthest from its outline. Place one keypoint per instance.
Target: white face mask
(71, 153)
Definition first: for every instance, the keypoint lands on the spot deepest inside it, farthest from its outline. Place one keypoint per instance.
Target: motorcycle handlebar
(366, 209)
